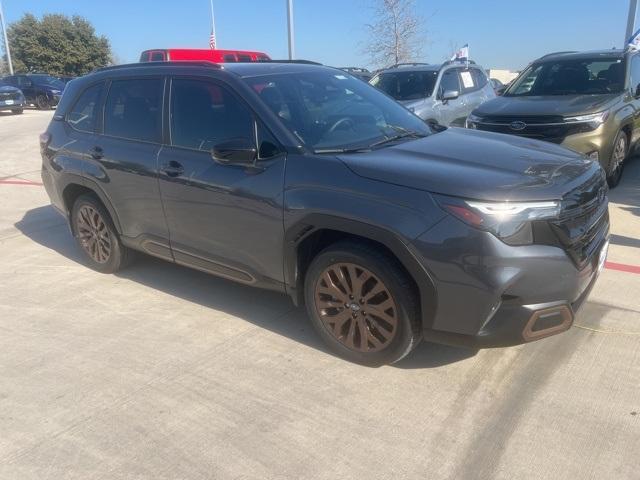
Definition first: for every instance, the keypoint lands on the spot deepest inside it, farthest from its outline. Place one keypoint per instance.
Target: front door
(448, 111)
(224, 219)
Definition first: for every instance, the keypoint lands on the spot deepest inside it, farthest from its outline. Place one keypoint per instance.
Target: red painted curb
(622, 267)
(20, 182)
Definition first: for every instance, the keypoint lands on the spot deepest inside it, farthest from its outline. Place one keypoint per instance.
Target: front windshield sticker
(467, 79)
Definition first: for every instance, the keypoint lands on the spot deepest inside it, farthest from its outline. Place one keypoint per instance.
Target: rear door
(28, 87)
(124, 159)
(224, 219)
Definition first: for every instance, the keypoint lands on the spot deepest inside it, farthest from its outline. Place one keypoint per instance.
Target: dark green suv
(586, 101)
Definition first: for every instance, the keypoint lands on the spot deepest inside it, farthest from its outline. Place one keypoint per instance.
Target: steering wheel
(341, 121)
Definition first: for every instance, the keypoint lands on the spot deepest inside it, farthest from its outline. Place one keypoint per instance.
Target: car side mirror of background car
(238, 151)
(450, 95)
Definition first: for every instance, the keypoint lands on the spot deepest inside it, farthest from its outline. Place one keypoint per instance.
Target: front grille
(548, 128)
(8, 96)
(584, 221)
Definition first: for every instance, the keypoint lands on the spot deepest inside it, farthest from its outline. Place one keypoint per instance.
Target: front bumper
(490, 294)
(599, 140)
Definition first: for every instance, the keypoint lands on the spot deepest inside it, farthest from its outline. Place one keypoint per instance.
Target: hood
(8, 89)
(564, 105)
(477, 165)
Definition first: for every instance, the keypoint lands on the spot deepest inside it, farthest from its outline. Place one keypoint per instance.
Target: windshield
(570, 77)
(47, 80)
(406, 85)
(329, 111)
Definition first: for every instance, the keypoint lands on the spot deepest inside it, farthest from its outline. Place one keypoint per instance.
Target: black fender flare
(315, 222)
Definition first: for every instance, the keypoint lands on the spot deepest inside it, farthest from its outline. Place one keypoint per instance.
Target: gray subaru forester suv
(308, 181)
(439, 94)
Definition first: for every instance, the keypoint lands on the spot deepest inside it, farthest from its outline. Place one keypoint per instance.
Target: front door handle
(96, 153)
(172, 168)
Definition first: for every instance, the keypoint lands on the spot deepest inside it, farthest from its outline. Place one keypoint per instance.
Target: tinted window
(229, 58)
(571, 77)
(479, 77)
(157, 57)
(133, 109)
(83, 115)
(450, 81)
(406, 85)
(244, 58)
(204, 114)
(45, 80)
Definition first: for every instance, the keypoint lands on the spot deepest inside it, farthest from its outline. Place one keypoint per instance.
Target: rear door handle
(96, 153)
(172, 168)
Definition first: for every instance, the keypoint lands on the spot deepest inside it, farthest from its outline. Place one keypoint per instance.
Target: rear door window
(133, 109)
(157, 56)
(468, 81)
(85, 111)
(229, 58)
(244, 58)
(204, 114)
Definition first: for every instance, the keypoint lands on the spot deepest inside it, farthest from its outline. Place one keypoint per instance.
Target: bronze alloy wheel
(93, 234)
(356, 307)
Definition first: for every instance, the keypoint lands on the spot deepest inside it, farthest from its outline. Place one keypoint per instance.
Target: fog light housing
(595, 155)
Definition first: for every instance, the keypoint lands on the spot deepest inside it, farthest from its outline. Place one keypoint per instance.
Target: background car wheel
(618, 156)
(17, 111)
(42, 102)
(97, 237)
(362, 304)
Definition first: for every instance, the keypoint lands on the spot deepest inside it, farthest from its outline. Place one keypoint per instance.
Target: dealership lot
(163, 372)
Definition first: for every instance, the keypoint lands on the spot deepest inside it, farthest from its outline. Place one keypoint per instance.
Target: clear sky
(501, 33)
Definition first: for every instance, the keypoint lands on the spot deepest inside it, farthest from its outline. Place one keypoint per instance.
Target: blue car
(43, 91)
(11, 98)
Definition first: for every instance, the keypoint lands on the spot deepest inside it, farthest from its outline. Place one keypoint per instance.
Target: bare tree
(396, 33)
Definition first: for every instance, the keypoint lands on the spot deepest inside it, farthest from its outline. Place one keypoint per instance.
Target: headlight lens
(593, 119)
(509, 221)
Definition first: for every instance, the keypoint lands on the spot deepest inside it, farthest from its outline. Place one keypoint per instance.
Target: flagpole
(6, 40)
(290, 29)
(213, 22)
(631, 21)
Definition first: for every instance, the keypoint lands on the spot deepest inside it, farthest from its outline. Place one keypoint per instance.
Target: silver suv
(439, 94)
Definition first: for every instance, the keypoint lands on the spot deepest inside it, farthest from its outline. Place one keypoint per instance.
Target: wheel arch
(75, 186)
(315, 232)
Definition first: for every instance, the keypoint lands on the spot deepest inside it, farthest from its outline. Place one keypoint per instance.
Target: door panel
(223, 218)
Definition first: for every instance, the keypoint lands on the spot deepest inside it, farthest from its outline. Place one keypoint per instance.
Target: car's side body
(467, 85)
(263, 223)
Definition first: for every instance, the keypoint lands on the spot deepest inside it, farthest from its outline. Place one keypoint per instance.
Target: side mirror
(238, 151)
(450, 95)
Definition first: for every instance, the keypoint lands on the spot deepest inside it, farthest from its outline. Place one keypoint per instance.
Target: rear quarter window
(83, 115)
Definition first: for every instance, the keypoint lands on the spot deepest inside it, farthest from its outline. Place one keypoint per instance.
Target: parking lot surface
(162, 372)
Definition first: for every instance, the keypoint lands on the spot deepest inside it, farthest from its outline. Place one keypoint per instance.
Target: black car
(41, 90)
(303, 180)
(11, 98)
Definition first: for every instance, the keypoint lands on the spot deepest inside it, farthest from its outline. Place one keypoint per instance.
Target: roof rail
(302, 62)
(194, 63)
(408, 64)
(557, 53)
(458, 60)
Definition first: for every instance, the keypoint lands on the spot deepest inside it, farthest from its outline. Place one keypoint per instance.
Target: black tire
(17, 111)
(615, 166)
(82, 219)
(42, 102)
(383, 268)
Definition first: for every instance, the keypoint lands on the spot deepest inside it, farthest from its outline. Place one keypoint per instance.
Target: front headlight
(509, 221)
(593, 119)
(472, 121)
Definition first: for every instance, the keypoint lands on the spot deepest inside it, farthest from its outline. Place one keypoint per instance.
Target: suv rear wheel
(97, 237)
(618, 156)
(362, 304)
(42, 102)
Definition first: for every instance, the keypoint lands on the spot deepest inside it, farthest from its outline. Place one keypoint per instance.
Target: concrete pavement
(161, 372)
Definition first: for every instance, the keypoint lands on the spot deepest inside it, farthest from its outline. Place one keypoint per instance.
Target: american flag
(212, 40)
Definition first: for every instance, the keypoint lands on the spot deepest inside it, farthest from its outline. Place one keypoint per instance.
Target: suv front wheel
(362, 304)
(618, 156)
(97, 237)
